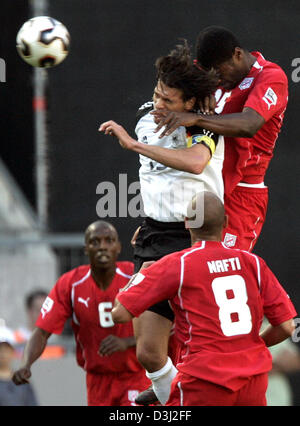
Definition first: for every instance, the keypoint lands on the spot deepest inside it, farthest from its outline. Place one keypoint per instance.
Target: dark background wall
(109, 73)
(16, 118)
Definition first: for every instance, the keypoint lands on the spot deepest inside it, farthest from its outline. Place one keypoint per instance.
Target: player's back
(219, 311)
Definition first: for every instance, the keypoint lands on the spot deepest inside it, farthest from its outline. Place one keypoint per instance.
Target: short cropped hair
(215, 45)
(30, 298)
(178, 70)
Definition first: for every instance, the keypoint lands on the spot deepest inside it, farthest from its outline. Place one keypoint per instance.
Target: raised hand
(172, 120)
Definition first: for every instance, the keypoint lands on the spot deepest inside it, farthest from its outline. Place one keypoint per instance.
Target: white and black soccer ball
(43, 42)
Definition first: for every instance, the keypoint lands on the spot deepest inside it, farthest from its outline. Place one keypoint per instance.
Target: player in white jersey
(165, 190)
(173, 169)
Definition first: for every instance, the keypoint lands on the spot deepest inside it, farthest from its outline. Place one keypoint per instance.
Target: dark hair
(177, 70)
(32, 296)
(215, 45)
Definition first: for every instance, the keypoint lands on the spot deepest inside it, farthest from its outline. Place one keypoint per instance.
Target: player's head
(7, 343)
(206, 217)
(102, 245)
(180, 84)
(33, 304)
(217, 48)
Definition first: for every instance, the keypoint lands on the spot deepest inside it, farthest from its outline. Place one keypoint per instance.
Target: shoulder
(144, 110)
(175, 257)
(252, 260)
(125, 268)
(74, 276)
(200, 135)
(272, 72)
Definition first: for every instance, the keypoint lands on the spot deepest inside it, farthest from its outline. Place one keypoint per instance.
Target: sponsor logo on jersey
(270, 97)
(47, 306)
(246, 83)
(84, 301)
(146, 105)
(230, 240)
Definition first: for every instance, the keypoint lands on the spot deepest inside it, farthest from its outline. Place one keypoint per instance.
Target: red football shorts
(187, 390)
(246, 209)
(115, 389)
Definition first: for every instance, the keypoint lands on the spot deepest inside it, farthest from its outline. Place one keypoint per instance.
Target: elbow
(246, 133)
(287, 329)
(119, 316)
(196, 168)
(116, 317)
(290, 327)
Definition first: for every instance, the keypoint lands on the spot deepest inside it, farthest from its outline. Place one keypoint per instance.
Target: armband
(205, 140)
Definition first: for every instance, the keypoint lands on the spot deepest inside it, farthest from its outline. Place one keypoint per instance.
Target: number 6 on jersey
(222, 287)
(105, 314)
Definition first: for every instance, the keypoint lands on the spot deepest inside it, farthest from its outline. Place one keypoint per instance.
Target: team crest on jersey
(270, 97)
(132, 394)
(246, 83)
(230, 240)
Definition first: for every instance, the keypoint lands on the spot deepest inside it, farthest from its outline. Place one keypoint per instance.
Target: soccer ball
(43, 42)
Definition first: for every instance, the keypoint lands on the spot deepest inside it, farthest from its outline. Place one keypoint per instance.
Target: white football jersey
(166, 192)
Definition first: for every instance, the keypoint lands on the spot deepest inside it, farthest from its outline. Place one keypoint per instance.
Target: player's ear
(238, 54)
(190, 103)
(119, 249)
(85, 250)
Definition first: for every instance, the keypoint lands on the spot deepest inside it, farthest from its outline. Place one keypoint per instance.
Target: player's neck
(205, 237)
(249, 61)
(103, 277)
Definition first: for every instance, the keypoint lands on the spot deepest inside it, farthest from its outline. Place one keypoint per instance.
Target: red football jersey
(219, 297)
(76, 295)
(265, 89)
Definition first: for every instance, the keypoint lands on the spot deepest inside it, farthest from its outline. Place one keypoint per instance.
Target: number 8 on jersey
(231, 296)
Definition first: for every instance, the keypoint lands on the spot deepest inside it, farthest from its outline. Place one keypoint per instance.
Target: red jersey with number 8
(219, 297)
(76, 296)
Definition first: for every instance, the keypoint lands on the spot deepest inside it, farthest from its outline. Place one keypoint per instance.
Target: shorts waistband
(248, 190)
(252, 185)
(165, 225)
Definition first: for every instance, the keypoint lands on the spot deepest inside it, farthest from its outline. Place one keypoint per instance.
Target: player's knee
(151, 358)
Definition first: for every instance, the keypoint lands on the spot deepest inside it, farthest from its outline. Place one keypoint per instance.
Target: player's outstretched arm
(114, 129)
(134, 237)
(191, 160)
(33, 350)
(242, 124)
(274, 335)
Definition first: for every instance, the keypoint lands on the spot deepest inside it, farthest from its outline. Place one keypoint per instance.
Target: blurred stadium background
(47, 198)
